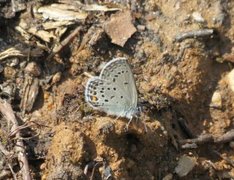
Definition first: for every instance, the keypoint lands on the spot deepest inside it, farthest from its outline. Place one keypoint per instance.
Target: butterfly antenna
(116, 119)
(140, 111)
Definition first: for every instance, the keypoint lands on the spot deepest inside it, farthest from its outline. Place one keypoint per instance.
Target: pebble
(231, 144)
(141, 27)
(33, 69)
(168, 177)
(9, 72)
(216, 100)
(13, 62)
(56, 78)
(230, 78)
(185, 165)
(198, 17)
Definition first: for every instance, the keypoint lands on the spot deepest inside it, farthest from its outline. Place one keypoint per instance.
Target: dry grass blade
(10, 53)
(14, 52)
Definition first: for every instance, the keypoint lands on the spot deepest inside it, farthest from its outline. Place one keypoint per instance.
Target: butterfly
(114, 90)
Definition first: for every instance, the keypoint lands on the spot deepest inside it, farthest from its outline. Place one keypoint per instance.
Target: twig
(8, 114)
(12, 133)
(228, 136)
(58, 48)
(207, 138)
(194, 34)
(199, 140)
(11, 52)
(5, 173)
(12, 172)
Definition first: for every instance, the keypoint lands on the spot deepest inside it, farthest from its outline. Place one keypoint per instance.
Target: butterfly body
(114, 90)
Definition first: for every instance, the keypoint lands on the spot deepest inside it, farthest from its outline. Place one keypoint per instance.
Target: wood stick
(9, 115)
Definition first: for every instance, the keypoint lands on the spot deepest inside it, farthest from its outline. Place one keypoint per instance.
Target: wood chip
(120, 28)
(30, 92)
(59, 13)
(44, 35)
(185, 165)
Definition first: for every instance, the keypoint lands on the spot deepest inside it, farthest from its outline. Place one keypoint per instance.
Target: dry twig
(228, 136)
(208, 138)
(8, 114)
(194, 34)
(58, 48)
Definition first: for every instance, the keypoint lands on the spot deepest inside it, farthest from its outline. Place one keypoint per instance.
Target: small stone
(9, 72)
(216, 100)
(13, 62)
(168, 177)
(231, 144)
(230, 78)
(33, 69)
(185, 165)
(23, 64)
(197, 17)
(141, 27)
(43, 166)
(56, 78)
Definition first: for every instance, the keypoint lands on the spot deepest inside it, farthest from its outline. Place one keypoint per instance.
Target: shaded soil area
(181, 54)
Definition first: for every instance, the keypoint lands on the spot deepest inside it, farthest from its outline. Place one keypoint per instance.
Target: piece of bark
(120, 28)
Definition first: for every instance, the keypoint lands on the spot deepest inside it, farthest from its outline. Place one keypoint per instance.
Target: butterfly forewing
(119, 73)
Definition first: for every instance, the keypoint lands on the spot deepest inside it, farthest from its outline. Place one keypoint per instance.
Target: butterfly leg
(127, 125)
(116, 119)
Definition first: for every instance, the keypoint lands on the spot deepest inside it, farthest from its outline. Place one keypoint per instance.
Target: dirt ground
(185, 86)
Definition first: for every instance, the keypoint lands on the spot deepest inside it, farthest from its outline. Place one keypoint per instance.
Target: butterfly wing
(114, 91)
(103, 96)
